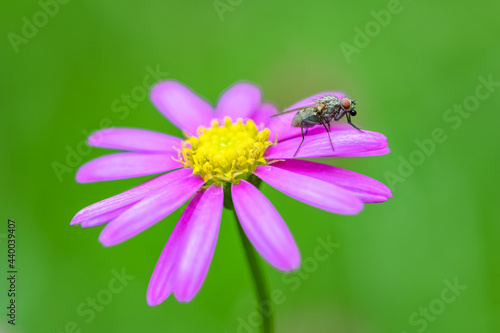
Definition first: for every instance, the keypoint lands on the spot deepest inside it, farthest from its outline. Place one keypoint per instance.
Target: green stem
(259, 280)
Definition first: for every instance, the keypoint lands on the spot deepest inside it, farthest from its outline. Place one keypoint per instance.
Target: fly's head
(347, 105)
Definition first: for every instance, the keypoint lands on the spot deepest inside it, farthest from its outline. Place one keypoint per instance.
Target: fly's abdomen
(296, 120)
(305, 118)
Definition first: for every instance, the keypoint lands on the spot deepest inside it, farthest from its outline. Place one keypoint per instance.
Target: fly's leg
(350, 123)
(327, 131)
(303, 137)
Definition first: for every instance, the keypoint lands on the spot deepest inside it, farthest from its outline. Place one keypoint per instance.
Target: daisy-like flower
(226, 149)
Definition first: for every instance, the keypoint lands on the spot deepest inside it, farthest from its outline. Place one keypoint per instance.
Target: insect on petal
(282, 125)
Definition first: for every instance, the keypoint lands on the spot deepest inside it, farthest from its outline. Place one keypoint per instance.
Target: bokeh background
(70, 74)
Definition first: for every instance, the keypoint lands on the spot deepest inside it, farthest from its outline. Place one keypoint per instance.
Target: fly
(322, 113)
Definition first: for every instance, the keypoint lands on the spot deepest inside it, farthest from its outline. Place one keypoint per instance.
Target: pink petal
(125, 165)
(282, 125)
(162, 281)
(311, 191)
(345, 143)
(264, 227)
(105, 218)
(376, 152)
(134, 139)
(239, 101)
(365, 188)
(181, 105)
(262, 116)
(198, 243)
(128, 197)
(150, 210)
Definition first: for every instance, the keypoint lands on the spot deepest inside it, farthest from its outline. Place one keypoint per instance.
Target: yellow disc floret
(225, 153)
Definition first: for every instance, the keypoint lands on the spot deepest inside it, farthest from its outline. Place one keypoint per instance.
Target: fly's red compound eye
(346, 103)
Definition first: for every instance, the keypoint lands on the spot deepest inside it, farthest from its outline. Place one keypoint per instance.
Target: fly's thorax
(331, 111)
(331, 102)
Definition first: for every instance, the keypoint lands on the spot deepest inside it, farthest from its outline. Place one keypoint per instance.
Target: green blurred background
(393, 258)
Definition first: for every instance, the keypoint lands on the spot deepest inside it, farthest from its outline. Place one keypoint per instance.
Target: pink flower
(222, 153)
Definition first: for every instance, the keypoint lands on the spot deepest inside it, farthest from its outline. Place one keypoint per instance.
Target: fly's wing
(292, 110)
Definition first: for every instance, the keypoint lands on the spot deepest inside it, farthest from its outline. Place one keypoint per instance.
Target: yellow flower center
(225, 153)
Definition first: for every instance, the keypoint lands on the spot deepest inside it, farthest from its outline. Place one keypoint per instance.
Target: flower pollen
(225, 153)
